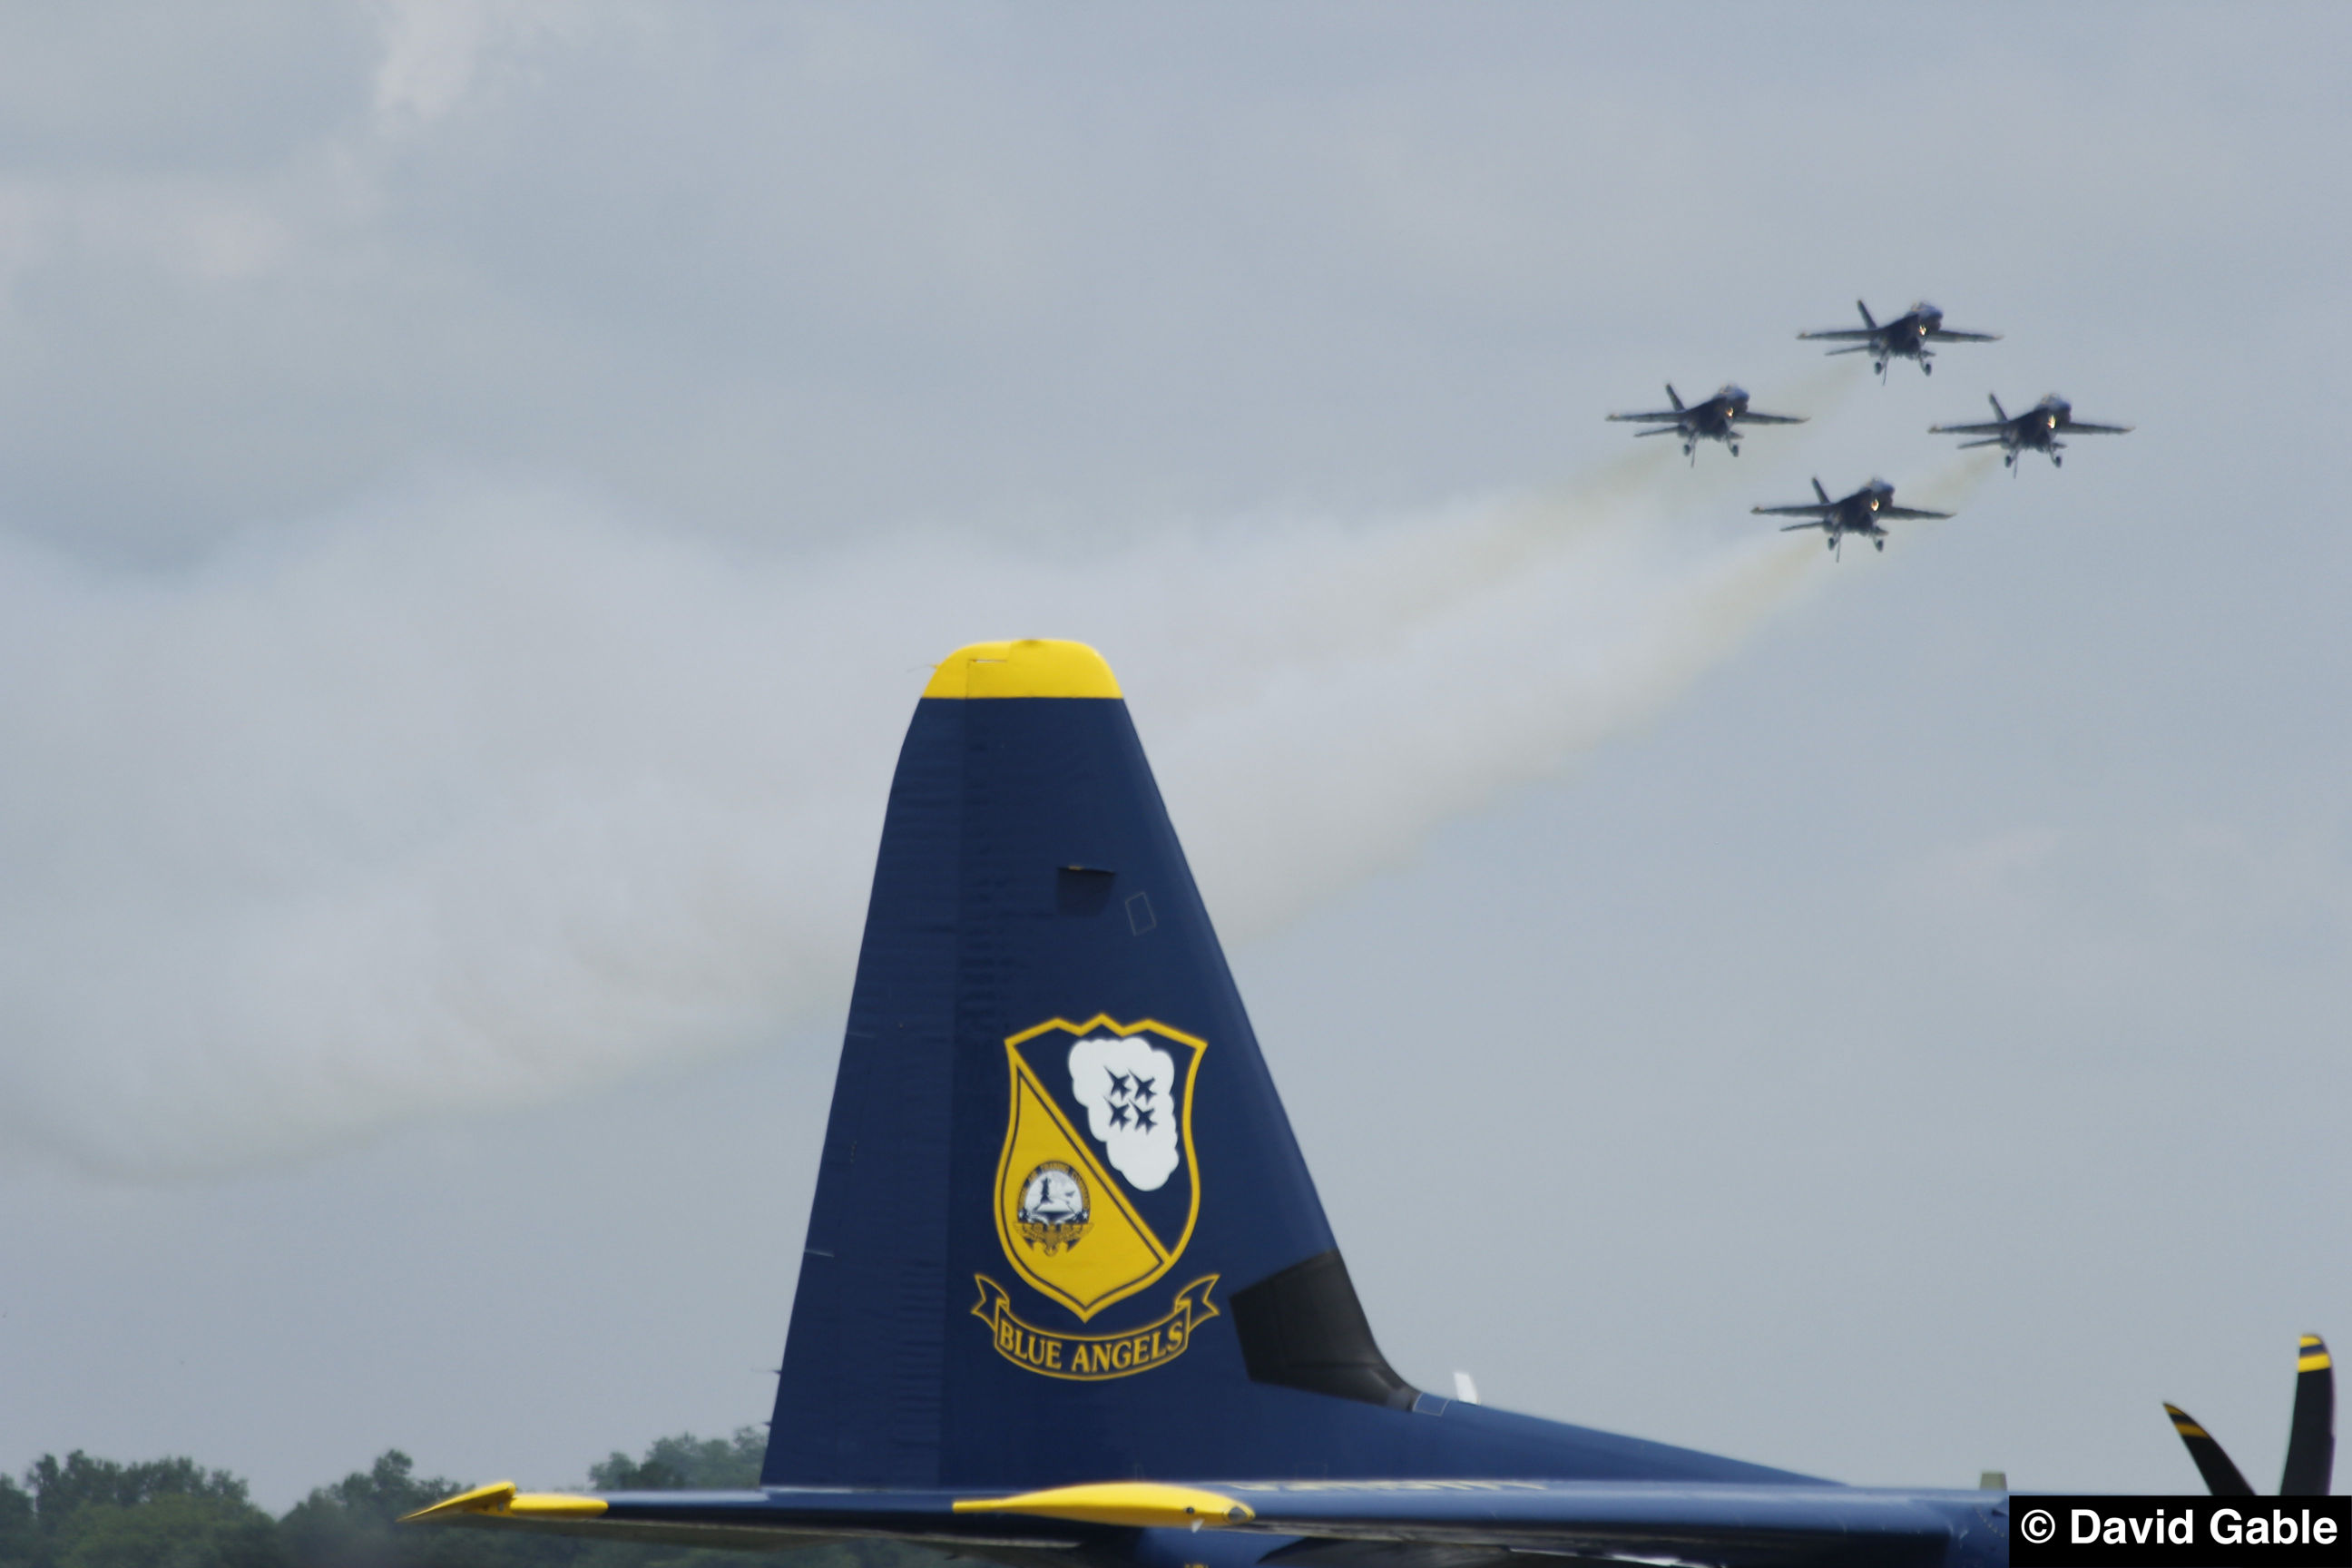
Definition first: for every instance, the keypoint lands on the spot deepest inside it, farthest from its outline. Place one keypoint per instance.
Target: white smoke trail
(471, 799)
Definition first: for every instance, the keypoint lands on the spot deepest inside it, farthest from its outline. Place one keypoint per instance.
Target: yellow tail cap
(1032, 667)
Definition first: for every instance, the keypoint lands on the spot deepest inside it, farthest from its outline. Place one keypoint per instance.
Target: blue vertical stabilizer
(1062, 1229)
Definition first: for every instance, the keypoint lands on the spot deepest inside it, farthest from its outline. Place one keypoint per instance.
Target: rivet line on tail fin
(1145, 1504)
(1031, 667)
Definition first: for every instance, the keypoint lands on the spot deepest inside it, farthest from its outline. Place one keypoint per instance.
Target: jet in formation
(2035, 430)
(1717, 418)
(1865, 512)
(1068, 1298)
(1906, 337)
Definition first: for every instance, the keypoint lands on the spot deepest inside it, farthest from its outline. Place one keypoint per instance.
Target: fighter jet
(1906, 337)
(2035, 430)
(1716, 419)
(1863, 512)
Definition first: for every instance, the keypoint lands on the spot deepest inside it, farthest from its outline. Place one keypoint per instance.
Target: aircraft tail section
(1055, 1160)
(1865, 315)
(1062, 1230)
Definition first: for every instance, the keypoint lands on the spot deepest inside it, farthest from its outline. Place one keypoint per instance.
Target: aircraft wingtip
(500, 1499)
(491, 1499)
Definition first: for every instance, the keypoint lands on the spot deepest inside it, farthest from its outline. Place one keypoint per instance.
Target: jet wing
(2086, 427)
(1843, 334)
(1942, 336)
(1669, 416)
(1990, 428)
(1768, 418)
(1822, 513)
(1907, 512)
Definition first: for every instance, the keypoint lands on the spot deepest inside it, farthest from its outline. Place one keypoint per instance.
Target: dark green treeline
(80, 1512)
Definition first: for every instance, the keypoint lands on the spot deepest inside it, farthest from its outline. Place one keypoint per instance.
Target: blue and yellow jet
(1068, 1298)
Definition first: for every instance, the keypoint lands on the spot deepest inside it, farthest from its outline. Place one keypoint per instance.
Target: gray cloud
(479, 795)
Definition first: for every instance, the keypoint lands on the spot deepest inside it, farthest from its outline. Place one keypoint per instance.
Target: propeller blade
(2221, 1478)
(2311, 1440)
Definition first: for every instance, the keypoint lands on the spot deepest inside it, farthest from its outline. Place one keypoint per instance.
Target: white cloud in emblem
(1128, 1087)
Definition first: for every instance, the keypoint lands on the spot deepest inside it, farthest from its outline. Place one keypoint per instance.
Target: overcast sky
(481, 486)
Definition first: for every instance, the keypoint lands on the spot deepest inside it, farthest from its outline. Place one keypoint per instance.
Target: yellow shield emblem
(1097, 1189)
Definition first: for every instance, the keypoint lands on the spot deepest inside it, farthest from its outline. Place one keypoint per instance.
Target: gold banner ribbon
(1091, 1358)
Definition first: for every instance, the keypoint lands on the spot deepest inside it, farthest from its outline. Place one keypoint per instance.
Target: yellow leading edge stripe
(1033, 667)
(500, 1499)
(1145, 1503)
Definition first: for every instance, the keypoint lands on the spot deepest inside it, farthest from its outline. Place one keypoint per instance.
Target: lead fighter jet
(1863, 512)
(1717, 418)
(1906, 337)
(2035, 430)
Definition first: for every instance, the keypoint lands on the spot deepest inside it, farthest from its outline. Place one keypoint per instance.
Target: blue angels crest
(1097, 1189)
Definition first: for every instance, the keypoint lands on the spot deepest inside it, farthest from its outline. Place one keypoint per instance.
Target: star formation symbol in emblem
(1131, 1101)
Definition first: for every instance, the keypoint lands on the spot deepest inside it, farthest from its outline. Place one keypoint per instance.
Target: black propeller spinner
(2311, 1438)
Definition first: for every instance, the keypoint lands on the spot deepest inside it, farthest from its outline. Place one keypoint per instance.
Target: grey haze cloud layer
(436, 438)
(485, 796)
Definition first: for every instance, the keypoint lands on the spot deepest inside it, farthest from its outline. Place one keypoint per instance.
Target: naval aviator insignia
(1097, 1191)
